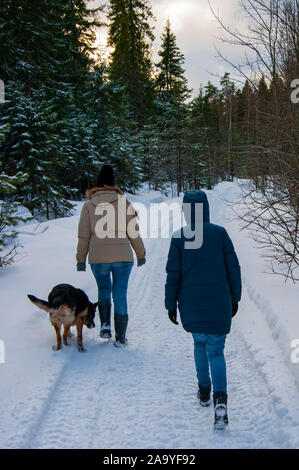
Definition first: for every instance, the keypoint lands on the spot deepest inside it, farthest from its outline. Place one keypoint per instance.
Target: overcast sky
(196, 30)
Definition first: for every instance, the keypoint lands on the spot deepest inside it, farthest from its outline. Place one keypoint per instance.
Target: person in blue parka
(205, 283)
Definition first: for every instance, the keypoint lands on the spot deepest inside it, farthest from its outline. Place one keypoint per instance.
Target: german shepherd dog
(68, 306)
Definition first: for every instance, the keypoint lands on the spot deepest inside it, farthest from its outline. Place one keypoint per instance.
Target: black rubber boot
(120, 323)
(220, 406)
(204, 395)
(105, 317)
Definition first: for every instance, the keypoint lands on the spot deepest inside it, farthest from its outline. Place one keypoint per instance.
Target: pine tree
(199, 168)
(247, 109)
(227, 90)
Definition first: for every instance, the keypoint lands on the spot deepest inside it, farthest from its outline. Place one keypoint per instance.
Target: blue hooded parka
(206, 280)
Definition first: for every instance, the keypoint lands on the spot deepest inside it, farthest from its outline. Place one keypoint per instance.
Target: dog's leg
(66, 334)
(58, 336)
(80, 323)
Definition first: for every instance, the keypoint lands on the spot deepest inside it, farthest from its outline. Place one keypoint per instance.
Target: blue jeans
(118, 287)
(209, 354)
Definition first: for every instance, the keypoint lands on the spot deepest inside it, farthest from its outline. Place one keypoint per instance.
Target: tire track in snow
(159, 424)
(25, 441)
(77, 401)
(145, 396)
(221, 213)
(161, 410)
(57, 420)
(55, 425)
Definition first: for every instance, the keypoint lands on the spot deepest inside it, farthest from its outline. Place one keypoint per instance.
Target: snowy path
(145, 395)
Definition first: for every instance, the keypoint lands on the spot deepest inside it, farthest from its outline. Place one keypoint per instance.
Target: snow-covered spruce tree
(174, 144)
(45, 43)
(197, 168)
(75, 100)
(9, 216)
(131, 37)
(99, 109)
(32, 146)
(204, 120)
(99, 115)
(123, 141)
(32, 43)
(82, 159)
(48, 63)
(171, 82)
(78, 24)
(112, 133)
(172, 114)
(151, 156)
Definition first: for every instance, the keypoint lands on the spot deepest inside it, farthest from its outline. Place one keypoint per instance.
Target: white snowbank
(276, 300)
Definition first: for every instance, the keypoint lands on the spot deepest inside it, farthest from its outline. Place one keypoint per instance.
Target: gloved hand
(235, 308)
(141, 261)
(172, 316)
(81, 266)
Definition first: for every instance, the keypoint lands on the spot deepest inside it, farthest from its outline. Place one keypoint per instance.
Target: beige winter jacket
(108, 228)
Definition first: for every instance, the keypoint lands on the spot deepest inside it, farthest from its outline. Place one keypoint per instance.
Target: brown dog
(68, 306)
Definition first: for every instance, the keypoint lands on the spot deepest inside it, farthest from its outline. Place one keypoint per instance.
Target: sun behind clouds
(178, 11)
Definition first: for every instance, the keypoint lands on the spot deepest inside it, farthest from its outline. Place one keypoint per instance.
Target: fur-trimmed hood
(90, 192)
(105, 194)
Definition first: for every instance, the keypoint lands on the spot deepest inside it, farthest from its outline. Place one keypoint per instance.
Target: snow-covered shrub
(10, 216)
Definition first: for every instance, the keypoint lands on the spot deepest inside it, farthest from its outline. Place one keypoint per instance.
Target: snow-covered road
(145, 395)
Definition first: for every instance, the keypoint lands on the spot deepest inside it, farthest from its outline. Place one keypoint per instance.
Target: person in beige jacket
(107, 232)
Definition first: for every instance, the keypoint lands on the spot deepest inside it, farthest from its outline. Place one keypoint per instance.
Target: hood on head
(196, 197)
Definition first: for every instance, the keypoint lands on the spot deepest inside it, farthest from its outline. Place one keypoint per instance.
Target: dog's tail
(39, 303)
